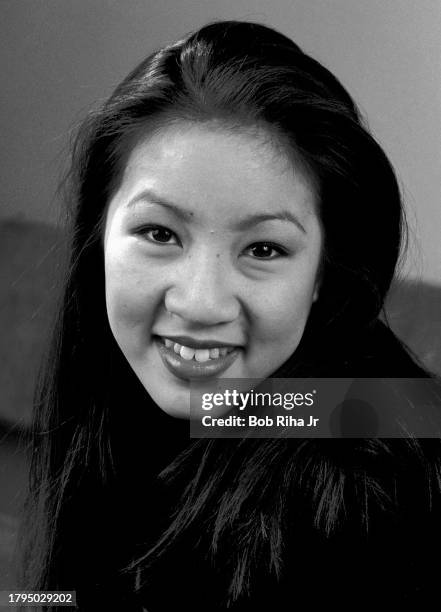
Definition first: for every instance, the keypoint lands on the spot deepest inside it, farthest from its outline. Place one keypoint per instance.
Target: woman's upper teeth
(199, 355)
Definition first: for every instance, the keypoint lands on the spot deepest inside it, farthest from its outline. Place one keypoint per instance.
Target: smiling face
(212, 247)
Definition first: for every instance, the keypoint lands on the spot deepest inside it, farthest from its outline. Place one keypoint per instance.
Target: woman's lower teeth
(199, 355)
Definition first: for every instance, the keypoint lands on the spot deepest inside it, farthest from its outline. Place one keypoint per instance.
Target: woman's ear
(317, 286)
(318, 282)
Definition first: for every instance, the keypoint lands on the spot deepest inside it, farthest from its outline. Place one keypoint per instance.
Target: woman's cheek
(129, 293)
(283, 307)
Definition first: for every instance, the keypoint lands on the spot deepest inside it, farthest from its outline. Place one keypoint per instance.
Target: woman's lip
(191, 369)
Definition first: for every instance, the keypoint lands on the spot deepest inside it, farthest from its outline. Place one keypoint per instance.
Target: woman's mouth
(190, 362)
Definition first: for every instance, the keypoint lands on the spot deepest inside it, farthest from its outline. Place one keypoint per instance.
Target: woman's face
(212, 247)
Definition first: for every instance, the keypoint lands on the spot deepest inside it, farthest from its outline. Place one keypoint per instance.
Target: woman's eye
(266, 250)
(159, 234)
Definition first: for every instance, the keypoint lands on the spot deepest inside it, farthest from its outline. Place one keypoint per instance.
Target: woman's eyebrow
(282, 215)
(148, 196)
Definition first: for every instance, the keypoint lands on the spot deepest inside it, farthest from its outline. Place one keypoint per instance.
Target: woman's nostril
(202, 304)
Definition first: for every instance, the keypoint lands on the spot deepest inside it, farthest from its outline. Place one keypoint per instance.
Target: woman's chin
(175, 403)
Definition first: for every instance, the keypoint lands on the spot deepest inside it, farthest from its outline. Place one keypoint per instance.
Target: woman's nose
(203, 292)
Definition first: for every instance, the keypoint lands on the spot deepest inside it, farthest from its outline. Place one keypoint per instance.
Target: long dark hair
(89, 404)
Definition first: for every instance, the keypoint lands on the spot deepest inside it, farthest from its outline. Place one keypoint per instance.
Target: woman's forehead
(216, 170)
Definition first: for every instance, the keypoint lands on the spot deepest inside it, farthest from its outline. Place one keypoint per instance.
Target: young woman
(232, 217)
